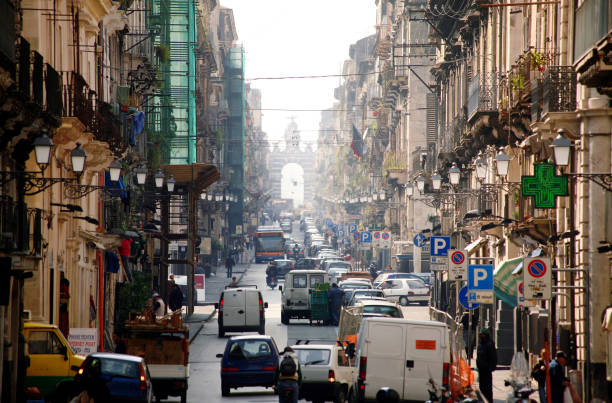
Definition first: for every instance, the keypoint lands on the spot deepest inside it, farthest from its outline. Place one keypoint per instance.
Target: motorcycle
(519, 380)
(271, 281)
(286, 394)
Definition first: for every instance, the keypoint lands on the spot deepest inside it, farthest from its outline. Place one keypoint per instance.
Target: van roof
(38, 325)
(307, 272)
(406, 321)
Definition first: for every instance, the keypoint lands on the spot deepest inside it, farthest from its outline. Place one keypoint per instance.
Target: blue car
(124, 377)
(248, 361)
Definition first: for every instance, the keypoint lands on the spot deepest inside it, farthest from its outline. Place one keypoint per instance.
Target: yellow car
(53, 364)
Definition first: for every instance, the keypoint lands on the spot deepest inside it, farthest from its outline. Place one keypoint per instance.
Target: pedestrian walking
(120, 346)
(556, 368)
(469, 332)
(159, 306)
(486, 362)
(288, 377)
(175, 300)
(229, 265)
(335, 297)
(539, 375)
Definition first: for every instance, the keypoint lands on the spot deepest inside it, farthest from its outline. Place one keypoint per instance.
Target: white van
(401, 354)
(241, 310)
(296, 293)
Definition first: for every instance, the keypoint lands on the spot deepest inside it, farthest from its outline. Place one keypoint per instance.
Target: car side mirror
(216, 305)
(219, 356)
(64, 352)
(280, 288)
(265, 304)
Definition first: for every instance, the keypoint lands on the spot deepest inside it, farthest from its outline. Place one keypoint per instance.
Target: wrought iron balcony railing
(38, 82)
(555, 92)
(482, 94)
(20, 227)
(106, 127)
(79, 99)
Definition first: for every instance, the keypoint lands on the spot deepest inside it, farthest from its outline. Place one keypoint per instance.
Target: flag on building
(357, 143)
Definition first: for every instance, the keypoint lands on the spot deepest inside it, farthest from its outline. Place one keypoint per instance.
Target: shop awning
(474, 246)
(519, 268)
(198, 175)
(504, 283)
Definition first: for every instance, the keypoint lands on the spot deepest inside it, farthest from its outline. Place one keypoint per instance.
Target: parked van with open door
(241, 310)
(402, 354)
(296, 293)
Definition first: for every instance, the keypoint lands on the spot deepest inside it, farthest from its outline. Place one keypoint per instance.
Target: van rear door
(425, 348)
(252, 307)
(385, 357)
(234, 308)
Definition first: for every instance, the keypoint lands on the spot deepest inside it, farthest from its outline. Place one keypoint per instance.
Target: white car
(373, 307)
(355, 284)
(405, 291)
(326, 372)
(241, 310)
(339, 264)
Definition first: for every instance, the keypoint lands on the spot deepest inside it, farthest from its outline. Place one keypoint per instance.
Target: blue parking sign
(366, 237)
(352, 228)
(480, 277)
(341, 233)
(439, 246)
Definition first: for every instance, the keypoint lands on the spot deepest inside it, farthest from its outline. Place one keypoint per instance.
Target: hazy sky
(297, 38)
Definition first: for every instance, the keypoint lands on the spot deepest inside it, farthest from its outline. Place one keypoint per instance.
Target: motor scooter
(520, 380)
(271, 281)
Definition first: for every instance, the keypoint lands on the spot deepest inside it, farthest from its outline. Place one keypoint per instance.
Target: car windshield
(112, 367)
(336, 272)
(312, 356)
(339, 265)
(283, 263)
(369, 293)
(359, 286)
(269, 244)
(382, 310)
(415, 284)
(249, 350)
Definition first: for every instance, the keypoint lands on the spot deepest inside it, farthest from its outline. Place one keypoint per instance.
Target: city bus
(269, 244)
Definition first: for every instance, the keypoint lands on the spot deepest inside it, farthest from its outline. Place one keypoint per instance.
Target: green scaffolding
(171, 113)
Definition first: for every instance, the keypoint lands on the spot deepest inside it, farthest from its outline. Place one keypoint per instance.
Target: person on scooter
(271, 274)
(288, 377)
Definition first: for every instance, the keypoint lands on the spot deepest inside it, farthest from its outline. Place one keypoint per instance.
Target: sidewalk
(214, 285)
(500, 391)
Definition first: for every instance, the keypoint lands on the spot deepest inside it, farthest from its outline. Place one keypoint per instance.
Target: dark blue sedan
(118, 376)
(248, 361)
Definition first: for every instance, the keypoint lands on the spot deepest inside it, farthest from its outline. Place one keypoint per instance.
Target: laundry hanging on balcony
(357, 143)
(138, 119)
(115, 189)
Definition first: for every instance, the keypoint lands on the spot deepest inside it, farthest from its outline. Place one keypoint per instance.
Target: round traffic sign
(536, 268)
(521, 288)
(458, 257)
(356, 235)
(377, 235)
(463, 299)
(385, 235)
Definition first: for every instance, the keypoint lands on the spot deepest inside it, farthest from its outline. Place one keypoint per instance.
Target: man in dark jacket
(335, 296)
(557, 377)
(486, 361)
(176, 298)
(229, 265)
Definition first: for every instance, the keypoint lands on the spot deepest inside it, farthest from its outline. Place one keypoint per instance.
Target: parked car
(391, 275)
(326, 372)
(355, 284)
(405, 291)
(401, 354)
(334, 274)
(339, 264)
(381, 308)
(126, 376)
(307, 263)
(284, 266)
(427, 278)
(351, 296)
(241, 310)
(248, 361)
(53, 363)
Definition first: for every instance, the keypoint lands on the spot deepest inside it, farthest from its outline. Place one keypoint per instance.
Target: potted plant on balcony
(538, 60)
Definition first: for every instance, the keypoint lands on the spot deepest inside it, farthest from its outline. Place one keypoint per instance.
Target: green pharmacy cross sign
(544, 186)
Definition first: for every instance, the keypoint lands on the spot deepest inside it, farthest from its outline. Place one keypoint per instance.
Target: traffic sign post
(439, 246)
(356, 235)
(463, 299)
(419, 240)
(457, 265)
(376, 238)
(480, 283)
(537, 278)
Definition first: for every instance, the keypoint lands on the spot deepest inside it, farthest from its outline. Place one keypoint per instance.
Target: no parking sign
(457, 265)
(537, 278)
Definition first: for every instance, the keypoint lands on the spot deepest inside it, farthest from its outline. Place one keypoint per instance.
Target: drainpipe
(100, 273)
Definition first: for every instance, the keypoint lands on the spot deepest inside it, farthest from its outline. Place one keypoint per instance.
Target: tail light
(331, 376)
(428, 291)
(445, 373)
(143, 378)
(363, 365)
(230, 369)
(221, 307)
(78, 375)
(261, 307)
(269, 368)
(410, 292)
(185, 346)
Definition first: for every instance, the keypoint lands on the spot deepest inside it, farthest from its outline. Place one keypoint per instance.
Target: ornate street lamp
(141, 175)
(42, 147)
(159, 179)
(502, 163)
(420, 181)
(370, 199)
(436, 181)
(170, 184)
(409, 189)
(114, 170)
(78, 157)
(481, 168)
(454, 174)
(561, 147)
(382, 195)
